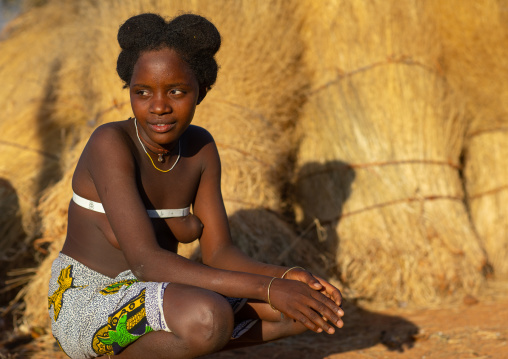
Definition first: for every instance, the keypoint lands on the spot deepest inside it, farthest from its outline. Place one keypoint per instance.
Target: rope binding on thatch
(49, 155)
(391, 60)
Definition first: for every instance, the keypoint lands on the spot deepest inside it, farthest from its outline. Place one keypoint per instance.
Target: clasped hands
(308, 299)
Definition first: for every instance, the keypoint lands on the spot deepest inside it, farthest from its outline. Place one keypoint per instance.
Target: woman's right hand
(310, 307)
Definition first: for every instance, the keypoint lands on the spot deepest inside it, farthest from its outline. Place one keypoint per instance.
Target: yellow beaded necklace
(151, 160)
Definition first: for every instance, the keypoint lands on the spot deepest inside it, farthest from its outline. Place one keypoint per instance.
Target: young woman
(118, 285)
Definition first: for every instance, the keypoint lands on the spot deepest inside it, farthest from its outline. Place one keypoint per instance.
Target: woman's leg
(271, 325)
(201, 322)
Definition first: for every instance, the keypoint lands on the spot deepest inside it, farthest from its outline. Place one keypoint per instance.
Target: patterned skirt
(93, 314)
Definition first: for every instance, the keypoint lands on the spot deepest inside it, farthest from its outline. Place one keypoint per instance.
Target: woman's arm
(217, 247)
(113, 171)
(112, 168)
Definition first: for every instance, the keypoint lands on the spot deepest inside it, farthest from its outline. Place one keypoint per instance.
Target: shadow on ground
(363, 329)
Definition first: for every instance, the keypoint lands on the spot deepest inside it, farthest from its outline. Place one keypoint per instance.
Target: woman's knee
(211, 319)
(200, 317)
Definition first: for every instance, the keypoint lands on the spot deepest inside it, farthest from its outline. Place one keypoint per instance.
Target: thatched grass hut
(30, 142)
(475, 44)
(379, 160)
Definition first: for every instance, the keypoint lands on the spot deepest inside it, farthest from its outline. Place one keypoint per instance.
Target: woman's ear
(202, 93)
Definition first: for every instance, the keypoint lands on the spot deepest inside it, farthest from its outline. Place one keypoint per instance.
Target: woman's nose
(160, 105)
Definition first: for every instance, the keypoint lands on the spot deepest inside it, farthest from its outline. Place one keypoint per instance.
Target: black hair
(193, 37)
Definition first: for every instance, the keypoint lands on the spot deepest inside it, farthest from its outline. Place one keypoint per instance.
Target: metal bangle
(290, 269)
(269, 285)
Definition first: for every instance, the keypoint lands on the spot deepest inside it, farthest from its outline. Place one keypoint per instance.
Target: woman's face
(164, 93)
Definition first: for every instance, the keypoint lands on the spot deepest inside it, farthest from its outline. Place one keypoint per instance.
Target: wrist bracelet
(290, 269)
(269, 285)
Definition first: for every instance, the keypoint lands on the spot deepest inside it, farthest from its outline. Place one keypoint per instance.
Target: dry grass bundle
(475, 38)
(379, 157)
(251, 107)
(30, 141)
(13, 251)
(45, 92)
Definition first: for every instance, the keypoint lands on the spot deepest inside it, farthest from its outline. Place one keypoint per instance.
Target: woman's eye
(176, 92)
(142, 92)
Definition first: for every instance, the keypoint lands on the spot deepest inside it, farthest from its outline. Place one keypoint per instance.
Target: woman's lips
(162, 127)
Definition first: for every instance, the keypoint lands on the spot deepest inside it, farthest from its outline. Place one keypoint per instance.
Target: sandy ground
(475, 328)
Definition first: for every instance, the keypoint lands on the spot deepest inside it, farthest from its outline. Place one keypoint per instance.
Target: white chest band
(152, 213)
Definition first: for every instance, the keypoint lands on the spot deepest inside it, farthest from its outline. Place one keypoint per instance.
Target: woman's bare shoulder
(110, 143)
(111, 133)
(107, 152)
(198, 139)
(200, 134)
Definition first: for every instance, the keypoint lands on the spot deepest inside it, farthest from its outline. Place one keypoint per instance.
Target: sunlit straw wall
(475, 38)
(382, 133)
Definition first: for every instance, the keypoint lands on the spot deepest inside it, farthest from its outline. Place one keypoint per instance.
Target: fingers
(317, 283)
(330, 291)
(319, 313)
(309, 324)
(317, 322)
(305, 277)
(317, 310)
(334, 294)
(328, 310)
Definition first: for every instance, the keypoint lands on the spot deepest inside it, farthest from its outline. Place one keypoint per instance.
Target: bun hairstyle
(193, 37)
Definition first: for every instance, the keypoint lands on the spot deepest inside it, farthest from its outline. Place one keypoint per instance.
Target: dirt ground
(475, 328)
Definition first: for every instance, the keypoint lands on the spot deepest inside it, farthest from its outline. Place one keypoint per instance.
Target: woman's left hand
(315, 283)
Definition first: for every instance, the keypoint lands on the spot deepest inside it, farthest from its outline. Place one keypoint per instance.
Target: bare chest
(171, 190)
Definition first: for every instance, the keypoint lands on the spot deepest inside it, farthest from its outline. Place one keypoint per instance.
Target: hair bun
(144, 28)
(195, 33)
(193, 37)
